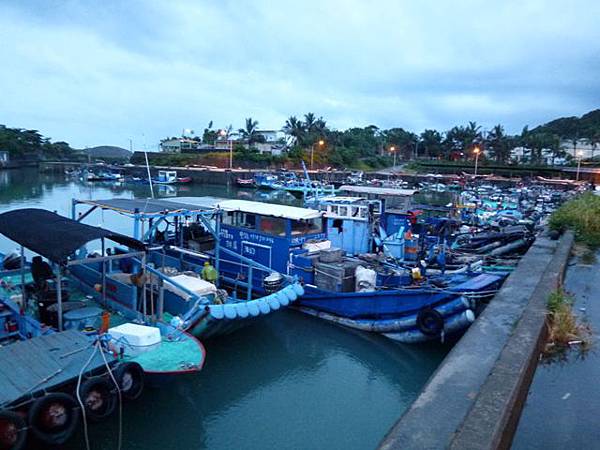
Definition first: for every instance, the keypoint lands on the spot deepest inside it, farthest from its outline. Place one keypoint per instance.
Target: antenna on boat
(148, 170)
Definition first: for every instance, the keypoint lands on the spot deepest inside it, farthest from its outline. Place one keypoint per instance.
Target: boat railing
(166, 279)
(240, 260)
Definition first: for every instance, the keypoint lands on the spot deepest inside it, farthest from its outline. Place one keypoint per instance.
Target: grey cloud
(105, 71)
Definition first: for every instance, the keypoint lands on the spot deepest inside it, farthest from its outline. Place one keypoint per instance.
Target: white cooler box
(135, 338)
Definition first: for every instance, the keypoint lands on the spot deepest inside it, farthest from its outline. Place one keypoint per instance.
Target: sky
(106, 72)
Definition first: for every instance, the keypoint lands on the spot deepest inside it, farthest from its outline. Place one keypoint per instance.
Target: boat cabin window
(310, 226)
(272, 225)
(240, 219)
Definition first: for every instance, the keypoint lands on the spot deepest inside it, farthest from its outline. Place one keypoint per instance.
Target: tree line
(23, 144)
(372, 146)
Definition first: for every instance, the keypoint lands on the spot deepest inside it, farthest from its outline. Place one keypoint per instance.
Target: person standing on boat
(209, 273)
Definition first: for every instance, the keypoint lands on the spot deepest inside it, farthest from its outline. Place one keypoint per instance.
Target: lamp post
(230, 143)
(393, 150)
(579, 154)
(476, 150)
(312, 152)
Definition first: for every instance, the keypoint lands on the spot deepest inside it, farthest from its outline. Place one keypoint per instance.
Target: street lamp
(312, 152)
(579, 154)
(393, 150)
(476, 150)
(224, 133)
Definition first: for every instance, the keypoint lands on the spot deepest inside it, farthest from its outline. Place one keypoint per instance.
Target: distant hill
(586, 126)
(107, 152)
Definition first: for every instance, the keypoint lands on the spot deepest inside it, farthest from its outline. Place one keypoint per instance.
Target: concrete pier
(474, 399)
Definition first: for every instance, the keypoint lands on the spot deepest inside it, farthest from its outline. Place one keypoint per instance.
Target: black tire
(99, 398)
(130, 377)
(13, 431)
(430, 322)
(53, 418)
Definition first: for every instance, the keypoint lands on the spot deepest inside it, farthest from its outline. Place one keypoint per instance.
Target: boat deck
(44, 363)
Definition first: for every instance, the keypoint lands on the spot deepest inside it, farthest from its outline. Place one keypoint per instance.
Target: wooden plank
(23, 365)
(8, 391)
(19, 375)
(44, 365)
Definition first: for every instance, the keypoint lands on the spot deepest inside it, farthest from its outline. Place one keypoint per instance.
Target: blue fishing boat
(266, 181)
(186, 264)
(56, 295)
(290, 182)
(170, 177)
(348, 285)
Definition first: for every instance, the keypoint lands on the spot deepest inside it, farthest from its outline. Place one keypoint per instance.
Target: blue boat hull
(395, 312)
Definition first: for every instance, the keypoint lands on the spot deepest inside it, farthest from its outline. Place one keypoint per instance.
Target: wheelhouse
(268, 233)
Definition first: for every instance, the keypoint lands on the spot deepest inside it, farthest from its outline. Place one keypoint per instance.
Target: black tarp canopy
(52, 236)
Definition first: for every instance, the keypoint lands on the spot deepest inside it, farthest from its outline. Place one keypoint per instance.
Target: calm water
(287, 382)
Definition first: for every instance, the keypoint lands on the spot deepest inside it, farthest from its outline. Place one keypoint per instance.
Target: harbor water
(288, 381)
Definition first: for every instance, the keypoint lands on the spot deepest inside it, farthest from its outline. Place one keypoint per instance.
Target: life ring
(430, 322)
(98, 397)
(53, 418)
(13, 431)
(130, 377)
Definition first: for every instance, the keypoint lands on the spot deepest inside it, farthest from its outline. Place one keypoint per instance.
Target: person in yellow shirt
(209, 273)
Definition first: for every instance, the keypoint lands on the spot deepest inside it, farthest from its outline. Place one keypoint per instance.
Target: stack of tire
(53, 418)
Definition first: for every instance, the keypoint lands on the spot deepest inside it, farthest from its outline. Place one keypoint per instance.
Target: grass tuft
(563, 327)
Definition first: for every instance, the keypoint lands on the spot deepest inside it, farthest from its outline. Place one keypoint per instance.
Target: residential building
(271, 136)
(180, 145)
(523, 155)
(580, 148)
(274, 149)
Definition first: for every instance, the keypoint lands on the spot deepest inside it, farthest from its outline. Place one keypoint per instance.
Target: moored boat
(56, 295)
(170, 177)
(294, 240)
(187, 272)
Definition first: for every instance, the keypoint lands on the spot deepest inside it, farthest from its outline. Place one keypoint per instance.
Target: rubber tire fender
(40, 408)
(12, 418)
(430, 322)
(105, 391)
(130, 377)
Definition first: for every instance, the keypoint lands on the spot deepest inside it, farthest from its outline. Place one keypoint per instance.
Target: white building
(523, 155)
(271, 149)
(178, 145)
(582, 148)
(271, 136)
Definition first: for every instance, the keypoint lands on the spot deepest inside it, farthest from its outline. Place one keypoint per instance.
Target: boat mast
(148, 170)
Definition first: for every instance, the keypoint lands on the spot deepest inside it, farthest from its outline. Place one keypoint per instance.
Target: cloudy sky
(106, 71)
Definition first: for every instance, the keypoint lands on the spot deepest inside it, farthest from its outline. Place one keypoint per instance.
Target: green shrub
(582, 214)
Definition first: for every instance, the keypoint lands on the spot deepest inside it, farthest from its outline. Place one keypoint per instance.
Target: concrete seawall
(474, 399)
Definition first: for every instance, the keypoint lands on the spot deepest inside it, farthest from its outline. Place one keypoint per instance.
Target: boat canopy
(185, 205)
(52, 236)
(247, 206)
(155, 207)
(378, 191)
(269, 209)
(341, 199)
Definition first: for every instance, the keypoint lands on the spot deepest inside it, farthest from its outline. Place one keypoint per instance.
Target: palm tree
(497, 142)
(295, 128)
(310, 122)
(431, 141)
(250, 133)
